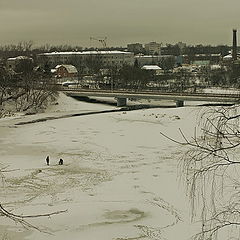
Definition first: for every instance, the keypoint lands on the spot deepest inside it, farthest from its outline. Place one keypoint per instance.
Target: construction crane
(101, 40)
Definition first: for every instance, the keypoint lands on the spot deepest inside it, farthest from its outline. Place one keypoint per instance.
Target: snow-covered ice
(120, 178)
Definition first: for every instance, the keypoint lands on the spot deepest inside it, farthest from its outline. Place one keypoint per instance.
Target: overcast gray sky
(121, 21)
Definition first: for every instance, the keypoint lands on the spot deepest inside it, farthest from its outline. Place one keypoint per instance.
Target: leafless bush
(37, 94)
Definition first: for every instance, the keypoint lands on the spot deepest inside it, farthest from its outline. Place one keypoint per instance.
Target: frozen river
(120, 178)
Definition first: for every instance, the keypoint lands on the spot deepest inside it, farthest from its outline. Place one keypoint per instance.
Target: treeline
(176, 49)
(27, 48)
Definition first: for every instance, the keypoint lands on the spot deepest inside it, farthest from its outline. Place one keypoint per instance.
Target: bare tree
(94, 63)
(4, 83)
(27, 88)
(38, 91)
(212, 168)
(133, 77)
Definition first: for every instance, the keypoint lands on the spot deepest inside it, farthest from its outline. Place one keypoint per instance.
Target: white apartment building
(153, 48)
(105, 58)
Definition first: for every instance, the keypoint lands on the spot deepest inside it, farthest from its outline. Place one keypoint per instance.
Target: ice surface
(120, 177)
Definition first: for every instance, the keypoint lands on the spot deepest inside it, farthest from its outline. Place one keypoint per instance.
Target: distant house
(154, 68)
(65, 71)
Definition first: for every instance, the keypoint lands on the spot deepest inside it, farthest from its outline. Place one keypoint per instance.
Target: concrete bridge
(179, 98)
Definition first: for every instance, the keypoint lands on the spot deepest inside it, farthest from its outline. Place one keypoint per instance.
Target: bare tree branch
(211, 170)
(21, 218)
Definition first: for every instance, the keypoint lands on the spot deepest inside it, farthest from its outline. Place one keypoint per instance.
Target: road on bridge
(175, 96)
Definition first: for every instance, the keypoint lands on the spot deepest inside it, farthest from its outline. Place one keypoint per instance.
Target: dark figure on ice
(60, 162)
(47, 160)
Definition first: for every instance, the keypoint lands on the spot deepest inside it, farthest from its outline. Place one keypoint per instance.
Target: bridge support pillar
(179, 103)
(121, 102)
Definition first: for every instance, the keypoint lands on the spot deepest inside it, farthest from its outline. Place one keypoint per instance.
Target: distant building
(211, 58)
(152, 60)
(153, 68)
(153, 48)
(146, 60)
(12, 63)
(104, 58)
(65, 71)
(135, 48)
(229, 57)
(199, 59)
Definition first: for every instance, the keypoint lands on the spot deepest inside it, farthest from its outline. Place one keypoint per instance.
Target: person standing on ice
(47, 160)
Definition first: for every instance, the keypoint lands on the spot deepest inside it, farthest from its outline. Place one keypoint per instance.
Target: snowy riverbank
(119, 179)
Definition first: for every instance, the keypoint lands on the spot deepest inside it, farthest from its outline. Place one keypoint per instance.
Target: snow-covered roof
(70, 68)
(145, 56)
(151, 67)
(207, 55)
(227, 56)
(85, 53)
(153, 56)
(19, 58)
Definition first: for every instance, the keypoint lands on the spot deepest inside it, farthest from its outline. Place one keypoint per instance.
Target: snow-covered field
(120, 178)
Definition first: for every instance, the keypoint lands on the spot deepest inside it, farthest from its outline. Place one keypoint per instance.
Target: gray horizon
(121, 21)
